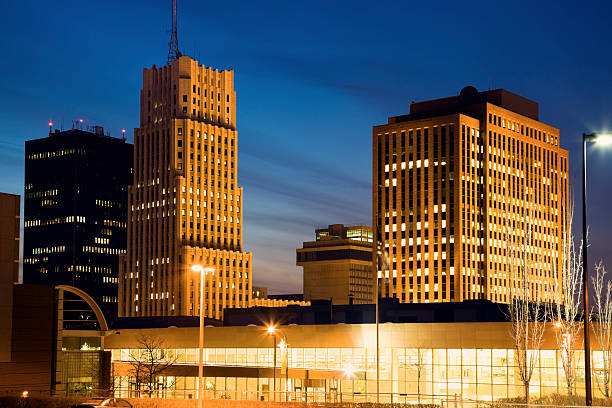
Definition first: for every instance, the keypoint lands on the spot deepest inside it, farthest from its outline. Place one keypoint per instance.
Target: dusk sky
(312, 78)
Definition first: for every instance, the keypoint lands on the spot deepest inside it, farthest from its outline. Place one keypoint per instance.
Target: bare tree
(115, 385)
(526, 309)
(565, 308)
(602, 292)
(418, 363)
(149, 362)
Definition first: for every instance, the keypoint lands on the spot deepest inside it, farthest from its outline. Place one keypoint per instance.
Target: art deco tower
(185, 206)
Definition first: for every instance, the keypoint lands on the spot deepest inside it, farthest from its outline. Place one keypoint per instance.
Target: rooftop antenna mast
(173, 52)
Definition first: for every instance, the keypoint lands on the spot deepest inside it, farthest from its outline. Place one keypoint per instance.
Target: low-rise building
(9, 267)
(433, 361)
(269, 302)
(259, 292)
(428, 353)
(338, 265)
(57, 344)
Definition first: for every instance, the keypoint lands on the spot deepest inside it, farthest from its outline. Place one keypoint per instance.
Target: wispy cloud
(326, 71)
(11, 155)
(330, 199)
(287, 194)
(281, 222)
(294, 160)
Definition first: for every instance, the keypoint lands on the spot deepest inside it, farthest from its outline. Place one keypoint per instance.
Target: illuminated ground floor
(418, 361)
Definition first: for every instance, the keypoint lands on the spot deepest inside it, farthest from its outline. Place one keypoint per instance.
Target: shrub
(39, 402)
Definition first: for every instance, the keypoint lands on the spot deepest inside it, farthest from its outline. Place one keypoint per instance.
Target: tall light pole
(284, 346)
(347, 372)
(202, 270)
(272, 332)
(601, 139)
(379, 253)
(377, 343)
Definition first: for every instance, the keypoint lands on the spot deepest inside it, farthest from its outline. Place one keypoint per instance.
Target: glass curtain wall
(349, 374)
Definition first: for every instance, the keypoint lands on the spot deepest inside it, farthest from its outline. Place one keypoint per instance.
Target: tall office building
(185, 205)
(450, 180)
(75, 211)
(338, 265)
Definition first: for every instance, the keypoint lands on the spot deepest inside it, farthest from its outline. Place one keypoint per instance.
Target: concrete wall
(32, 351)
(429, 335)
(9, 267)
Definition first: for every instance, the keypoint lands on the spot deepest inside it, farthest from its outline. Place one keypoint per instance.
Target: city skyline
(313, 91)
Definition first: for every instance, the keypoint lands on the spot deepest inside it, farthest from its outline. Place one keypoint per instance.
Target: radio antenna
(173, 52)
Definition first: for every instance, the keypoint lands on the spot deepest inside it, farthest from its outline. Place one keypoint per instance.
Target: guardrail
(312, 398)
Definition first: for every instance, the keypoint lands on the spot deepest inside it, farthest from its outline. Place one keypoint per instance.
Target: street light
(602, 139)
(272, 332)
(348, 372)
(202, 270)
(284, 346)
(379, 255)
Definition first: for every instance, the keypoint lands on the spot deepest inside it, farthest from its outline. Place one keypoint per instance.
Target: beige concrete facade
(338, 265)
(277, 302)
(259, 292)
(185, 206)
(445, 189)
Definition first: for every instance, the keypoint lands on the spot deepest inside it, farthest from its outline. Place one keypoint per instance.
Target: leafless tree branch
(565, 309)
(602, 309)
(526, 310)
(149, 362)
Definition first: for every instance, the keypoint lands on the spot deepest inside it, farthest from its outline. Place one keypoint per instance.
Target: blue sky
(312, 78)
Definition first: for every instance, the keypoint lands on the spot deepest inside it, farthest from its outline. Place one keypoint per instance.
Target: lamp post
(377, 343)
(284, 346)
(202, 270)
(348, 372)
(601, 139)
(272, 332)
(379, 254)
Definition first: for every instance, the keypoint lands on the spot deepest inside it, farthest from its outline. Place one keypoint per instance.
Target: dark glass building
(75, 210)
